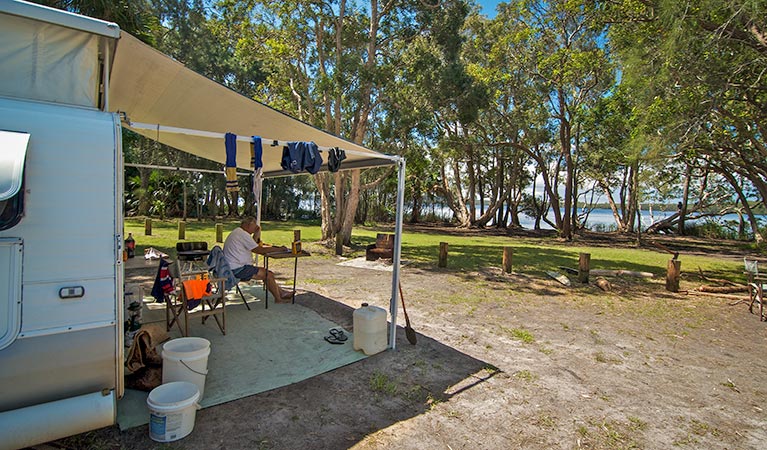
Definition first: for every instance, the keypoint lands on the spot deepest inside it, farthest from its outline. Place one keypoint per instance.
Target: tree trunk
(565, 230)
(685, 194)
(321, 180)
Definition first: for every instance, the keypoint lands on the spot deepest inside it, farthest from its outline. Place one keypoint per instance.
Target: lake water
(603, 219)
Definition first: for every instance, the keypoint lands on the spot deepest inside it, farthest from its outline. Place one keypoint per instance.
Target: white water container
(186, 359)
(369, 329)
(172, 410)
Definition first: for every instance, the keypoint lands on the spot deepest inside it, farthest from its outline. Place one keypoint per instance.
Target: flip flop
(333, 340)
(338, 334)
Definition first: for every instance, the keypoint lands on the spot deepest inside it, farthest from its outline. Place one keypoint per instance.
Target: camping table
(284, 255)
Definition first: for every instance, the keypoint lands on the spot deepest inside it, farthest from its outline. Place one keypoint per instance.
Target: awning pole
(397, 252)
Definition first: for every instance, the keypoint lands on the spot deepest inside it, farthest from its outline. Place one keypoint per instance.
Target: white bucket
(172, 409)
(186, 359)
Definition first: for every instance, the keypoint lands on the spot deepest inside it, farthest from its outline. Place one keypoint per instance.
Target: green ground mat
(263, 349)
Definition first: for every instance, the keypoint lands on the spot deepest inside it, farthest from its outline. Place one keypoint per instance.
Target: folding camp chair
(219, 268)
(757, 283)
(191, 255)
(179, 303)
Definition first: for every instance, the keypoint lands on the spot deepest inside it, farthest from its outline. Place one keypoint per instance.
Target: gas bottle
(130, 245)
(369, 329)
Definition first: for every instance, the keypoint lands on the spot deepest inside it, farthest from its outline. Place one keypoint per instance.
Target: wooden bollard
(219, 232)
(442, 254)
(673, 274)
(181, 230)
(147, 226)
(339, 245)
(507, 254)
(583, 267)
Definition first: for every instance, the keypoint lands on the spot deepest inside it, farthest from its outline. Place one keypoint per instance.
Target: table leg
(266, 275)
(295, 272)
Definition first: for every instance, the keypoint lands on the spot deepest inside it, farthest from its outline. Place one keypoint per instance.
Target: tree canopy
(546, 109)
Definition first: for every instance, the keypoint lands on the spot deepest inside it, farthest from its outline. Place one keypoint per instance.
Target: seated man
(239, 247)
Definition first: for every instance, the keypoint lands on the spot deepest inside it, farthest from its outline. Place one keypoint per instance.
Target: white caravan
(61, 275)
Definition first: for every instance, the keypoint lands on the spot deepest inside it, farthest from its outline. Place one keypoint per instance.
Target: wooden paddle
(409, 331)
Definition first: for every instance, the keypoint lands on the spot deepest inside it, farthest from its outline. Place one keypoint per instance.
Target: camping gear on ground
(172, 410)
(409, 331)
(142, 360)
(337, 336)
(369, 329)
(186, 359)
(130, 245)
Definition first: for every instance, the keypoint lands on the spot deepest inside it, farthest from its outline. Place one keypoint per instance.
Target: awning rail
(216, 135)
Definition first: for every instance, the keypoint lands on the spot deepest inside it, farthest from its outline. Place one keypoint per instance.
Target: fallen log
(724, 296)
(723, 289)
(615, 273)
(720, 280)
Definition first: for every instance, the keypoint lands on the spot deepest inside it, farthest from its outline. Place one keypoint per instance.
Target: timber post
(584, 261)
(148, 226)
(673, 274)
(219, 232)
(181, 230)
(442, 254)
(507, 254)
(339, 245)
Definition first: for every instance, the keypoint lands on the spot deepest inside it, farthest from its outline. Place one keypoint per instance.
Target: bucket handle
(198, 373)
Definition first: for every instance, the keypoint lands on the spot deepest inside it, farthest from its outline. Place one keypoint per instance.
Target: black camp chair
(191, 254)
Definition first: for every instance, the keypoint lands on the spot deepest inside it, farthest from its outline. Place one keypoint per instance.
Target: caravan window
(13, 151)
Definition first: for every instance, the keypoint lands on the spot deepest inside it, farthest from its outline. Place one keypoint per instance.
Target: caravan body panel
(69, 343)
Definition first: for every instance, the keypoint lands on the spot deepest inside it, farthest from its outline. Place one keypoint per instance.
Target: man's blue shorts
(245, 273)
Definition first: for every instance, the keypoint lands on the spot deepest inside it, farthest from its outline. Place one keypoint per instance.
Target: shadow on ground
(334, 410)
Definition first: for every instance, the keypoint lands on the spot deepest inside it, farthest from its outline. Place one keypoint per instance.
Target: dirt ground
(508, 362)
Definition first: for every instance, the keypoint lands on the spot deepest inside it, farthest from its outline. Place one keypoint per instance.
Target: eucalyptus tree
(707, 61)
(573, 66)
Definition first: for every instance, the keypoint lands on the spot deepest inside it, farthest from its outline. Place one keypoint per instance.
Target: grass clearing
(466, 252)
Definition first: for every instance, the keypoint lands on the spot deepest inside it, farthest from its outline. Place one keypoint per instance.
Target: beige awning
(153, 89)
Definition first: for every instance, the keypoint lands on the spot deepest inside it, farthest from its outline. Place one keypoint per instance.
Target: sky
(488, 7)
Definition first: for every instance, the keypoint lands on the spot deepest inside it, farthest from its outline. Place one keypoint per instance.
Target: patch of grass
(701, 429)
(545, 421)
(432, 401)
(381, 383)
(636, 423)
(415, 394)
(610, 434)
(321, 282)
(684, 442)
(526, 375)
(601, 357)
(520, 334)
(546, 351)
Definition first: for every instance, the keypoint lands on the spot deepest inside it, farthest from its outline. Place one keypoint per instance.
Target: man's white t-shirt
(238, 249)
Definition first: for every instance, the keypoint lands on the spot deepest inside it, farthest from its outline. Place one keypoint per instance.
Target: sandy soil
(507, 362)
